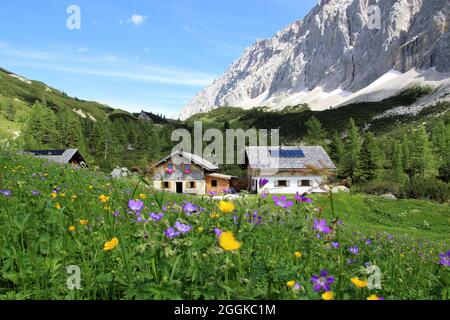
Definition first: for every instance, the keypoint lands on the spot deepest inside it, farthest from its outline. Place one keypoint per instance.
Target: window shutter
(276, 184)
(287, 183)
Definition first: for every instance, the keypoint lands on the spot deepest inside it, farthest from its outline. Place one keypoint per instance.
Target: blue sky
(136, 54)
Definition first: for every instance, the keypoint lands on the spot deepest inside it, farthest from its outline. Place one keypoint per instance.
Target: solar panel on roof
(296, 153)
(47, 152)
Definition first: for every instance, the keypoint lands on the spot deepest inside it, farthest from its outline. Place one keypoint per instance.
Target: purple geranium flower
(354, 250)
(444, 259)
(335, 245)
(35, 193)
(218, 232)
(255, 218)
(324, 281)
(282, 202)
(189, 208)
(321, 226)
(136, 205)
(156, 216)
(264, 195)
(6, 193)
(139, 219)
(368, 242)
(302, 198)
(116, 213)
(171, 233)
(263, 182)
(183, 228)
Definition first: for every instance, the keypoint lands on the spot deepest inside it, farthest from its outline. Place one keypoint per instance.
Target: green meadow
(129, 242)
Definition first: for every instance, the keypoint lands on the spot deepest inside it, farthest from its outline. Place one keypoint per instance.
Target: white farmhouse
(287, 169)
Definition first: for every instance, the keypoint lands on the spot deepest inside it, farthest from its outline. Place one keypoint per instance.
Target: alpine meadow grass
(130, 242)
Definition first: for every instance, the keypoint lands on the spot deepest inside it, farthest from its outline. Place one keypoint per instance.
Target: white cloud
(109, 66)
(81, 50)
(137, 19)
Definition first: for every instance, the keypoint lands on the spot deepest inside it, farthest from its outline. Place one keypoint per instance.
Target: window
(166, 185)
(281, 183)
(191, 185)
(304, 183)
(214, 183)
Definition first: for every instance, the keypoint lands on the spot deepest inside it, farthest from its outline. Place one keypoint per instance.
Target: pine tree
(398, 172)
(337, 150)
(406, 153)
(371, 162)
(351, 163)
(315, 135)
(422, 158)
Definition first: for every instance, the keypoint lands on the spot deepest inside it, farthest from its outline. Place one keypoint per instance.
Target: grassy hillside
(35, 116)
(54, 217)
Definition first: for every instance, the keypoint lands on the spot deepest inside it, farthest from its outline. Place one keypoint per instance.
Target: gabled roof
(59, 156)
(191, 157)
(272, 158)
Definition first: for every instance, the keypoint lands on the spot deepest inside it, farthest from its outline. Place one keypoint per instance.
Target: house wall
(197, 175)
(221, 185)
(292, 178)
(200, 186)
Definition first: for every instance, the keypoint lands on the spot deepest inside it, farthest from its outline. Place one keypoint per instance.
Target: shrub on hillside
(429, 188)
(380, 187)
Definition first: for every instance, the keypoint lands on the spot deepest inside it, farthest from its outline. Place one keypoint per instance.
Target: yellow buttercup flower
(72, 228)
(53, 195)
(58, 206)
(373, 297)
(109, 245)
(298, 254)
(84, 222)
(200, 229)
(359, 283)
(103, 198)
(290, 284)
(62, 195)
(226, 206)
(214, 215)
(228, 242)
(143, 196)
(90, 187)
(329, 295)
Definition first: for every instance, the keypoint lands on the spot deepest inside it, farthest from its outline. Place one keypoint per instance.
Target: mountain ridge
(331, 53)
